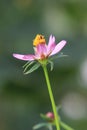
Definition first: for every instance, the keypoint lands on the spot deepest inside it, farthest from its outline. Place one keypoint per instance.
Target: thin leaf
(28, 65)
(33, 68)
(58, 108)
(40, 125)
(50, 127)
(65, 126)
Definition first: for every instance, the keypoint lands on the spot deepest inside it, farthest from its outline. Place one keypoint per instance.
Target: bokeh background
(24, 97)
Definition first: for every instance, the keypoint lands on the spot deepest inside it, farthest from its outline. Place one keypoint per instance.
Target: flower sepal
(29, 67)
(48, 118)
(51, 64)
(60, 55)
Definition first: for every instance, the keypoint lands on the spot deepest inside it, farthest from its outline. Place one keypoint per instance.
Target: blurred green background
(24, 97)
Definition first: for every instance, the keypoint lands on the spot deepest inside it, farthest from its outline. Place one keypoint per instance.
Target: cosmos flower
(42, 50)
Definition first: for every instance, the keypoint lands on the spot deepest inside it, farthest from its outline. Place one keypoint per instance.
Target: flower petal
(58, 47)
(51, 44)
(41, 49)
(51, 40)
(24, 57)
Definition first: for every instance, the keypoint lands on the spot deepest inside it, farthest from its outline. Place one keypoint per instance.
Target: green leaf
(50, 127)
(33, 68)
(65, 126)
(40, 125)
(58, 108)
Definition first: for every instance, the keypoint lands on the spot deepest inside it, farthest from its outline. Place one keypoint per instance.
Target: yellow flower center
(39, 39)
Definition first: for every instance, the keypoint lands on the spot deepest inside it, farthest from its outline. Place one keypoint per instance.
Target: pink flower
(42, 50)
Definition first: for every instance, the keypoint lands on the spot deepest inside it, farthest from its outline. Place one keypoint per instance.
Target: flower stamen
(39, 39)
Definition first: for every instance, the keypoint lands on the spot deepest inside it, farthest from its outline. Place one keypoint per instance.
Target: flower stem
(51, 98)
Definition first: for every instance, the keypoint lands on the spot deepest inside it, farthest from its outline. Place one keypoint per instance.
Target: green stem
(51, 97)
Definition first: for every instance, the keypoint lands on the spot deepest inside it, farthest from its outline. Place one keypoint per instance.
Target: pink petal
(51, 44)
(41, 49)
(58, 47)
(51, 40)
(24, 57)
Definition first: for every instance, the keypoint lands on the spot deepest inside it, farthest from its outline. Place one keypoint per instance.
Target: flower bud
(50, 115)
